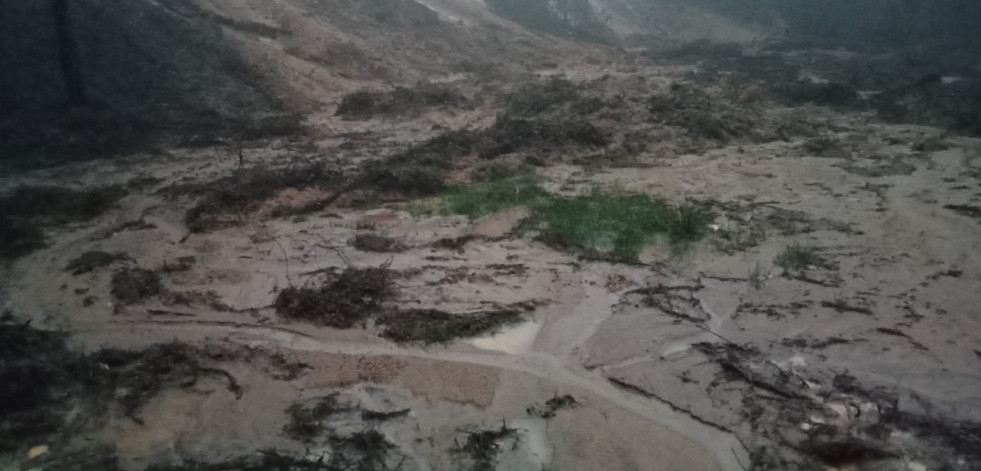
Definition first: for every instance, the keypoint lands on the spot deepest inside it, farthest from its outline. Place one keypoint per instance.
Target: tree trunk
(68, 54)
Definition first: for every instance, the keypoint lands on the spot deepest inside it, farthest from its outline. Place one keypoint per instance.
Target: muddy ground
(281, 302)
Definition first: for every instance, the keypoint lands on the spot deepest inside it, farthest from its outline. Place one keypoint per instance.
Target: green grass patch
(480, 199)
(620, 224)
(617, 223)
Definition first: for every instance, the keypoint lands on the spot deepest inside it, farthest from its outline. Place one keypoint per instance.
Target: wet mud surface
(297, 302)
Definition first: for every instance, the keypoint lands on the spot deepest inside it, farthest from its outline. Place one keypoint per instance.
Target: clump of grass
(617, 223)
(485, 198)
(798, 258)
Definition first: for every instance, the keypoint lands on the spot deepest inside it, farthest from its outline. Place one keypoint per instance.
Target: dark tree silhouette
(68, 54)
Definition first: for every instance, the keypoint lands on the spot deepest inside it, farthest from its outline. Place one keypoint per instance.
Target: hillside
(183, 68)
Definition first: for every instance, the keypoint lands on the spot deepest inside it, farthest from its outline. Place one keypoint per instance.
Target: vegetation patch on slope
(610, 222)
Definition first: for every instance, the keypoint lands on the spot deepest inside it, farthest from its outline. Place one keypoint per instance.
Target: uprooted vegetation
(934, 101)
(230, 200)
(25, 212)
(377, 243)
(422, 169)
(238, 198)
(93, 260)
(536, 98)
(482, 447)
(509, 135)
(435, 326)
(307, 423)
(703, 117)
(531, 122)
(553, 406)
(534, 118)
(615, 124)
(965, 210)
(35, 369)
(368, 449)
(140, 375)
(49, 393)
(916, 86)
(401, 101)
(132, 285)
(341, 301)
(810, 421)
(265, 460)
(357, 295)
(330, 420)
(605, 222)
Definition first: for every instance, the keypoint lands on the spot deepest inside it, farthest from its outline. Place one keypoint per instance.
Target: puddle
(519, 339)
